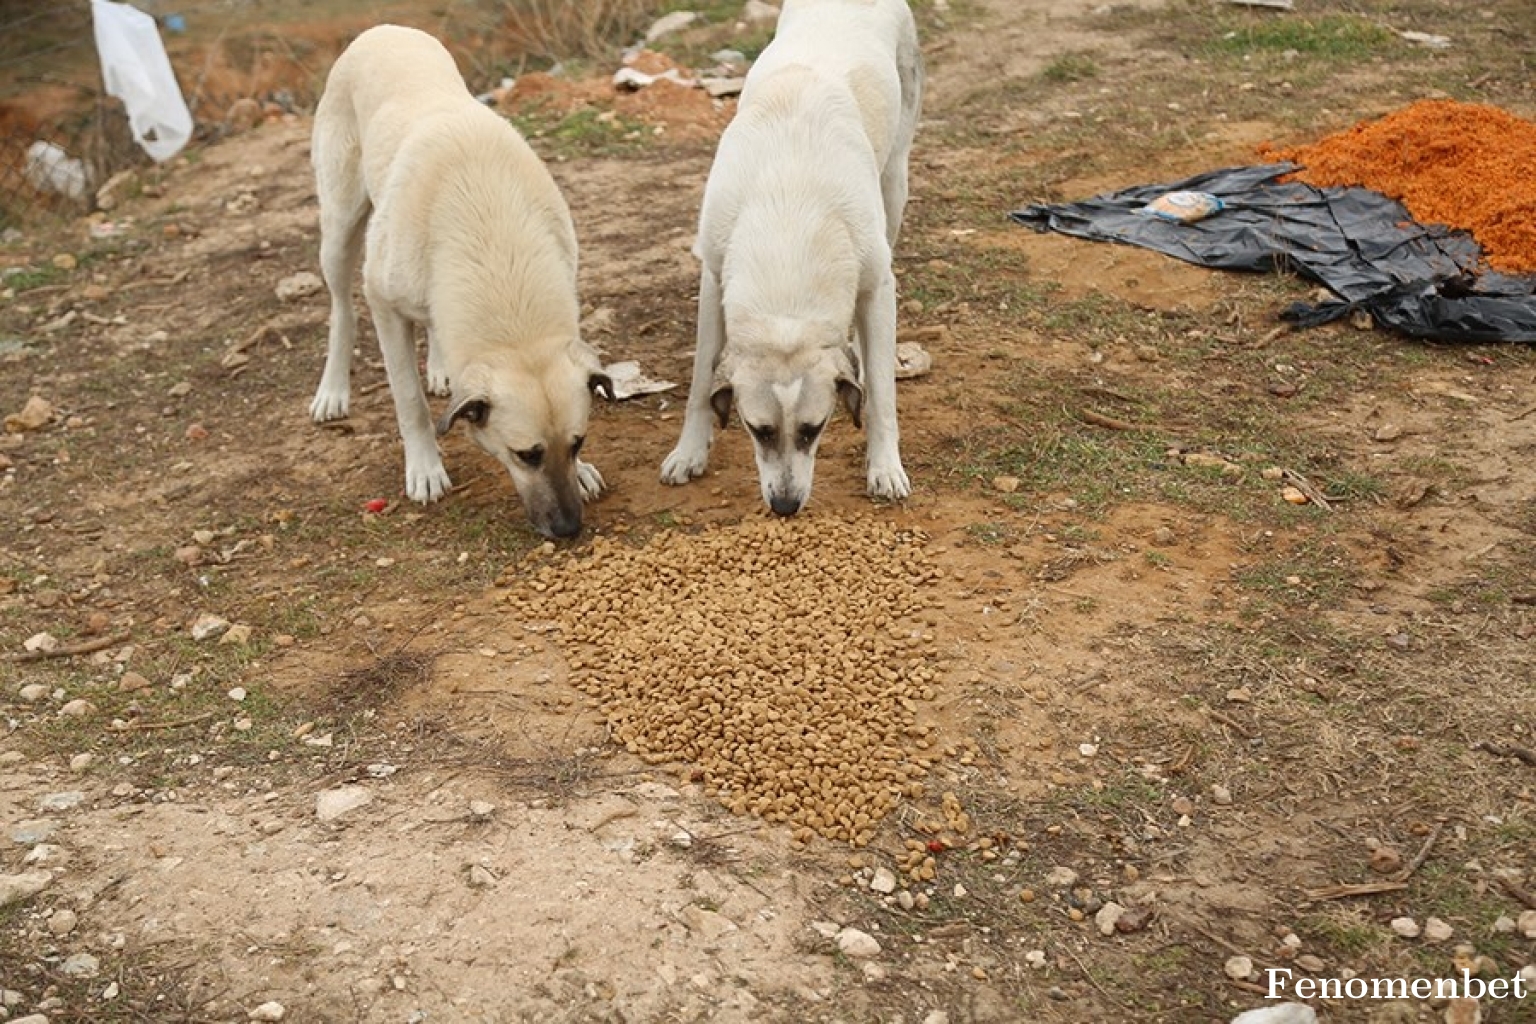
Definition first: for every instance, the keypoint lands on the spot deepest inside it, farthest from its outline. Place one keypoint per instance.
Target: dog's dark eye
(532, 457)
(576, 446)
(764, 434)
(809, 432)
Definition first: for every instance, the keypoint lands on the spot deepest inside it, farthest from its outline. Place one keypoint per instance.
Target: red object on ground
(377, 505)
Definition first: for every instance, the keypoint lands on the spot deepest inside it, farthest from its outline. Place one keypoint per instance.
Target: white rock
(80, 762)
(77, 708)
(874, 972)
(708, 923)
(1222, 796)
(62, 922)
(208, 626)
(884, 881)
(756, 12)
(480, 877)
(33, 692)
(1036, 959)
(237, 693)
(667, 24)
(1238, 968)
(936, 1017)
(1436, 930)
(1406, 927)
(826, 929)
(1061, 878)
(853, 942)
(61, 801)
(36, 830)
(1527, 924)
(481, 808)
(80, 965)
(1503, 925)
(1108, 914)
(1285, 1013)
(43, 642)
(298, 286)
(333, 803)
(272, 1010)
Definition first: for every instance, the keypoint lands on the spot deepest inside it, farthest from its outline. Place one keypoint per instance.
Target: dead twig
(1344, 892)
(1423, 854)
(1514, 890)
(1523, 413)
(1525, 754)
(1230, 722)
(1306, 487)
(101, 643)
(1098, 419)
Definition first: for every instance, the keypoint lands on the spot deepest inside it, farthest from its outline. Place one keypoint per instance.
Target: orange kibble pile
(1466, 165)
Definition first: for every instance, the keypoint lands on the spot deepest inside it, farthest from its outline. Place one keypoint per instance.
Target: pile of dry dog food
(1466, 165)
(785, 660)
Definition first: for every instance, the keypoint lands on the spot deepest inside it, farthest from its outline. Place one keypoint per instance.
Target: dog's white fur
(802, 207)
(467, 235)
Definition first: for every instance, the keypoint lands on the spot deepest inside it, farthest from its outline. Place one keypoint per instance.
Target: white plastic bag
(51, 169)
(138, 72)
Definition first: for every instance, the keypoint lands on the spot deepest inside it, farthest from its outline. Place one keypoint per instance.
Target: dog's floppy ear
(849, 391)
(602, 384)
(475, 409)
(720, 400)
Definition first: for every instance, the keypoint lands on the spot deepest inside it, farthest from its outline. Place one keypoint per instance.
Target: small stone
(1087, 750)
(239, 635)
(237, 694)
(38, 830)
(80, 965)
(62, 922)
(1006, 484)
(208, 626)
(904, 899)
(757, 12)
(874, 972)
(1221, 795)
(1108, 917)
(61, 801)
(852, 942)
(1385, 860)
(1238, 968)
(1240, 695)
(1164, 537)
(132, 682)
(33, 692)
(333, 803)
(1388, 432)
(1399, 641)
(1026, 895)
(298, 286)
(481, 808)
(1463, 1011)
(884, 881)
(268, 1011)
(1527, 924)
(1294, 495)
(1310, 962)
(1406, 927)
(40, 643)
(709, 924)
(1133, 920)
(1035, 958)
(1183, 806)
(77, 708)
(16, 888)
(1061, 878)
(480, 877)
(1436, 930)
(1272, 473)
(1503, 924)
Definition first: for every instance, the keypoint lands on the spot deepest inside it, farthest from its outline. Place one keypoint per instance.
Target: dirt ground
(1265, 731)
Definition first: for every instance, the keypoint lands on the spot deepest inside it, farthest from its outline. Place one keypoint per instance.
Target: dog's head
(533, 420)
(786, 396)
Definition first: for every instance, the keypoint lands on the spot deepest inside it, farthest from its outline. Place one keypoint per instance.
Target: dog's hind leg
(691, 455)
(875, 324)
(425, 478)
(344, 209)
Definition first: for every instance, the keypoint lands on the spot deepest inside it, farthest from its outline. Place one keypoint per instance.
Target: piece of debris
(633, 79)
(912, 360)
(298, 286)
(1006, 484)
(1274, 5)
(670, 23)
(1285, 1013)
(1406, 927)
(268, 1011)
(629, 380)
(1436, 930)
(1238, 968)
(38, 412)
(208, 626)
(1108, 918)
(51, 169)
(333, 803)
(1427, 39)
(852, 942)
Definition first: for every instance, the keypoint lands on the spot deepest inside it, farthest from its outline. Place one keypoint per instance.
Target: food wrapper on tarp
(1425, 280)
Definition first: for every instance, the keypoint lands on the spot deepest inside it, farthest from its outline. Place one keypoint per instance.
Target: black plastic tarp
(1425, 280)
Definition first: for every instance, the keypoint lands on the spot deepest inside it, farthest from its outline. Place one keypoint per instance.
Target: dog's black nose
(562, 527)
(783, 506)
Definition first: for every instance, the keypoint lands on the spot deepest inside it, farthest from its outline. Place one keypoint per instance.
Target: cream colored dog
(802, 207)
(460, 229)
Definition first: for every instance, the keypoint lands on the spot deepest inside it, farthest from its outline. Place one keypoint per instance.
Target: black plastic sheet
(1425, 280)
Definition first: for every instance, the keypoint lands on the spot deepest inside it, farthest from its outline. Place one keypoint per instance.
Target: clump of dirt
(676, 107)
(1466, 165)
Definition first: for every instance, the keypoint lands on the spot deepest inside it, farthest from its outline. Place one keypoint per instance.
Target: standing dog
(802, 207)
(465, 234)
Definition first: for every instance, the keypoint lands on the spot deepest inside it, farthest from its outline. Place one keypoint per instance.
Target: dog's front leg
(437, 369)
(691, 455)
(875, 321)
(425, 478)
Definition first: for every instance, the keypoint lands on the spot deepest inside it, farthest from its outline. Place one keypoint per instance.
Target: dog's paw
(589, 479)
(683, 465)
(889, 481)
(329, 405)
(426, 483)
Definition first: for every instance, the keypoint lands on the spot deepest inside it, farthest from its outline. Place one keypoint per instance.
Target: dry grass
(557, 29)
